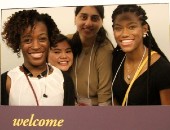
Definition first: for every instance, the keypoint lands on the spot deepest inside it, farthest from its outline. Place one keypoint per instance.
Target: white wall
(158, 18)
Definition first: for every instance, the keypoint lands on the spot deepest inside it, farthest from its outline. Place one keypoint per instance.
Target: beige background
(64, 17)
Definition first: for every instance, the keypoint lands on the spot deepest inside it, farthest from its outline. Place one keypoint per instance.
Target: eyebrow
(127, 24)
(91, 15)
(29, 35)
(56, 49)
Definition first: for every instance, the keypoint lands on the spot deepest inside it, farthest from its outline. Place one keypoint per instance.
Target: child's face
(35, 45)
(61, 56)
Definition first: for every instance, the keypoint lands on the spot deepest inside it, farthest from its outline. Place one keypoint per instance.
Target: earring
(18, 53)
(145, 34)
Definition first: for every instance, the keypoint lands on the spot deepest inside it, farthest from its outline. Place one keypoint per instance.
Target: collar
(43, 74)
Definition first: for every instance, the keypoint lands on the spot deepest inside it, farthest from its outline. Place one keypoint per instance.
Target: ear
(145, 28)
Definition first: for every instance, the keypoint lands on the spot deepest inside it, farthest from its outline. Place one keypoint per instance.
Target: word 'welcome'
(38, 122)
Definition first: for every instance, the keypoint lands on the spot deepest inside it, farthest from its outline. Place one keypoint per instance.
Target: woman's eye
(83, 17)
(132, 27)
(43, 39)
(57, 52)
(95, 18)
(69, 51)
(27, 40)
(117, 28)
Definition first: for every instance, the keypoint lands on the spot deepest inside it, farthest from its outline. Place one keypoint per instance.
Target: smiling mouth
(36, 55)
(87, 29)
(126, 42)
(64, 63)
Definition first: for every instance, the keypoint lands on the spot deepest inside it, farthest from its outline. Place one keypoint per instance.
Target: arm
(5, 88)
(69, 94)
(104, 67)
(165, 96)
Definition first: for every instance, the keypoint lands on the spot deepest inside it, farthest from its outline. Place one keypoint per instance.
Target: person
(92, 50)
(60, 54)
(140, 69)
(35, 83)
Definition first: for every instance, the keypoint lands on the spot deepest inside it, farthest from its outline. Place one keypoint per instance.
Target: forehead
(62, 44)
(127, 16)
(37, 27)
(90, 10)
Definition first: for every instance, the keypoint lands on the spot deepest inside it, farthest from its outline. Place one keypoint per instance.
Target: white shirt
(21, 93)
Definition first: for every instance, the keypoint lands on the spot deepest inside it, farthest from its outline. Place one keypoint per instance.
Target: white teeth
(36, 55)
(125, 41)
(63, 63)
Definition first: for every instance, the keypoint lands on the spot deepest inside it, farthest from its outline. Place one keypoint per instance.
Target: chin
(63, 68)
(39, 63)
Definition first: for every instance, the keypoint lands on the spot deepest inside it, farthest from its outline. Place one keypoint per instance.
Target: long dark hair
(101, 35)
(148, 41)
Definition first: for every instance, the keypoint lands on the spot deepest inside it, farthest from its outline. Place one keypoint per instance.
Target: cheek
(46, 46)
(97, 26)
(116, 35)
(79, 25)
(25, 48)
(71, 57)
(52, 57)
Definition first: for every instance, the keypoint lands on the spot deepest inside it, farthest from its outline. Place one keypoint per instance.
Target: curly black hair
(20, 21)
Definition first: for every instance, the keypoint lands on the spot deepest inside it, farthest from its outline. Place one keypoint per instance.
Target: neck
(132, 64)
(87, 42)
(135, 57)
(36, 70)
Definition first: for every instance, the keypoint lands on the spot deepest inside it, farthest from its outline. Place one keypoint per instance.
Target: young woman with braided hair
(140, 69)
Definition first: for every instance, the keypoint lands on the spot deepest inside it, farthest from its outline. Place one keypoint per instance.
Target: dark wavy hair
(59, 38)
(101, 35)
(148, 41)
(20, 21)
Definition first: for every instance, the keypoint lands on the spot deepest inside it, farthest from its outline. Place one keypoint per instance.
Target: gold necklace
(129, 75)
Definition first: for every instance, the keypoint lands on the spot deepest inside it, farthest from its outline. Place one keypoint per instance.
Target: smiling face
(88, 22)
(61, 56)
(35, 45)
(128, 31)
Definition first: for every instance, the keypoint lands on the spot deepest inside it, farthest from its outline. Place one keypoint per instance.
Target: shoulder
(4, 89)
(70, 36)
(56, 73)
(161, 68)
(105, 48)
(160, 71)
(106, 45)
(67, 78)
(162, 63)
(14, 72)
(4, 75)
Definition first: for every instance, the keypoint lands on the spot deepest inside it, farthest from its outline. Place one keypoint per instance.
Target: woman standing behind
(91, 71)
(140, 69)
(60, 53)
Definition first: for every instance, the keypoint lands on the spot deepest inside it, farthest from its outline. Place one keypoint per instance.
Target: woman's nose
(125, 32)
(88, 22)
(35, 44)
(63, 55)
